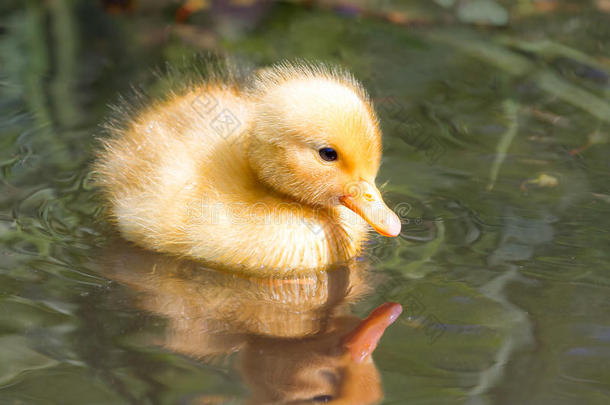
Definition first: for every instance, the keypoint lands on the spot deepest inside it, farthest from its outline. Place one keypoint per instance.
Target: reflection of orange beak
(365, 200)
(363, 340)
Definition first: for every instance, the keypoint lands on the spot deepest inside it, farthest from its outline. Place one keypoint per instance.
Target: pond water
(496, 157)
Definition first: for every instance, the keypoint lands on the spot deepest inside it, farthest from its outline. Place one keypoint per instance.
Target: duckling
(274, 173)
(296, 339)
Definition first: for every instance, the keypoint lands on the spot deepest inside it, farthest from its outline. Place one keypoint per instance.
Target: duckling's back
(158, 162)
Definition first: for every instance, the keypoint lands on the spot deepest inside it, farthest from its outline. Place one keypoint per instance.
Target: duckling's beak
(362, 341)
(365, 200)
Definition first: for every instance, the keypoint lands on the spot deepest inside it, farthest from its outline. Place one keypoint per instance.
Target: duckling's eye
(328, 154)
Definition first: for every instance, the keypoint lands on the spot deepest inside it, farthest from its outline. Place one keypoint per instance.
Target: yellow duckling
(276, 175)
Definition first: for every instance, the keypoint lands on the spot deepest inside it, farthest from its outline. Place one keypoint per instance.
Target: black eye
(328, 154)
(322, 398)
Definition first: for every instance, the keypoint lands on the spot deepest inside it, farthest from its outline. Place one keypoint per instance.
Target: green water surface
(496, 143)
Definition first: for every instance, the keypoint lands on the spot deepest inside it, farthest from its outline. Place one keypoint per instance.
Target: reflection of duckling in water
(293, 154)
(297, 341)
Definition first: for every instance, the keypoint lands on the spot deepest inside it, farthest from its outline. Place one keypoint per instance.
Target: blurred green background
(496, 132)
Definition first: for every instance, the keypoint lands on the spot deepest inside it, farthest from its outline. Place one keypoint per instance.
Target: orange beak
(362, 341)
(365, 200)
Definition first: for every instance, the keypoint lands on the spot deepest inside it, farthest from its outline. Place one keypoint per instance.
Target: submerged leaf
(544, 180)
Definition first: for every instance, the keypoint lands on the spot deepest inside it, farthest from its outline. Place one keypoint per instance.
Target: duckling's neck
(296, 235)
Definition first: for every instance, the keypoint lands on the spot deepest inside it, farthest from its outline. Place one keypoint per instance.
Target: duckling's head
(316, 139)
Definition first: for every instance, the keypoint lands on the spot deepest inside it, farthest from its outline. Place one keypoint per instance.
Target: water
(496, 147)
